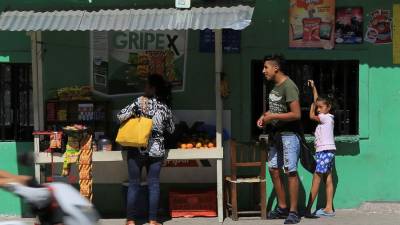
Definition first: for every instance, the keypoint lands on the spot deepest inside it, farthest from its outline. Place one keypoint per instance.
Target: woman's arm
(170, 123)
(128, 111)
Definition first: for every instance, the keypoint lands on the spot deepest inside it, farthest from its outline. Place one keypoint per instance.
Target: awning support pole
(37, 91)
(219, 111)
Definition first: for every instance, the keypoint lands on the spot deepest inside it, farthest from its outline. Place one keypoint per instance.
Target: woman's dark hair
(162, 88)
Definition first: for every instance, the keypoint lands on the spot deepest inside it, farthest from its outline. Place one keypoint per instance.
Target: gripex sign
(145, 41)
(123, 60)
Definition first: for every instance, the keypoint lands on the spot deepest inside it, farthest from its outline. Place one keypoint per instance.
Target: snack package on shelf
(74, 93)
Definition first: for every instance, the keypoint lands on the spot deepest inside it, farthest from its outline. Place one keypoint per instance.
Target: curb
(381, 207)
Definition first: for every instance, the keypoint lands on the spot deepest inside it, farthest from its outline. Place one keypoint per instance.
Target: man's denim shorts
(291, 153)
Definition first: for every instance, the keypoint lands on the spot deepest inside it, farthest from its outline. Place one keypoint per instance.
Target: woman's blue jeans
(136, 162)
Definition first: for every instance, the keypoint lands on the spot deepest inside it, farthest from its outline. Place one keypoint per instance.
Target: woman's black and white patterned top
(162, 122)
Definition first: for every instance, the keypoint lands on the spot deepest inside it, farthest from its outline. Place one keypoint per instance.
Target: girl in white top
(325, 153)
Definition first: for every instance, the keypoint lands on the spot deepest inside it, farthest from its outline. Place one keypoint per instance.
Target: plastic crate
(193, 203)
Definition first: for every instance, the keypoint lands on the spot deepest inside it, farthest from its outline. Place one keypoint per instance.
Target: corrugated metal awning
(235, 17)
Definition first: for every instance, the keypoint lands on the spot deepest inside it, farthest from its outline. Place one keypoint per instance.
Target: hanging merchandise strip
(71, 154)
(85, 168)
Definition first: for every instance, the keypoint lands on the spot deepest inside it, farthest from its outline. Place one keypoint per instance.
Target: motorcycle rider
(53, 203)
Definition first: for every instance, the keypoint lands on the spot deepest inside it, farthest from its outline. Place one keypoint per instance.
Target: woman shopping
(154, 104)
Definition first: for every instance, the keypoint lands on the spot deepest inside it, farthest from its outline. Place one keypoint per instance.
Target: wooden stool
(246, 154)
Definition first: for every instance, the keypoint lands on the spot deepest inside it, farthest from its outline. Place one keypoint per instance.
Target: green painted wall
(364, 166)
(8, 161)
(65, 60)
(16, 45)
(361, 167)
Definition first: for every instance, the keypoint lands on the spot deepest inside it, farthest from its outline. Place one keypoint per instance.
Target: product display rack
(91, 113)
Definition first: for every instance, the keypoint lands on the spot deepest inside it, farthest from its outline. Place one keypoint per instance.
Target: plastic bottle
(104, 144)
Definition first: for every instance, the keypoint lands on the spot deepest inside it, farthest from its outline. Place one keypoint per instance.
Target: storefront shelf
(74, 121)
(110, 156)
(207, 153)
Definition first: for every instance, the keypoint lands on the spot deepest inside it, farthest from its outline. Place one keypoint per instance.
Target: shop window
(338, 79)
(16, 111)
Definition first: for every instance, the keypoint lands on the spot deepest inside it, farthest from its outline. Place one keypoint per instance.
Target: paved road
(368, 214)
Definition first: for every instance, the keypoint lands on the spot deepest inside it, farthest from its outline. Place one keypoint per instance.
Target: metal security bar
(16, 111)
(337, 79)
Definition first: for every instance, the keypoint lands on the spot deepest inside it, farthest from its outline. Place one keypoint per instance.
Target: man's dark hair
(279, 60)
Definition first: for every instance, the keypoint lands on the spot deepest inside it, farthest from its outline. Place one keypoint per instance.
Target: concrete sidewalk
(367, 214)
(343, 217)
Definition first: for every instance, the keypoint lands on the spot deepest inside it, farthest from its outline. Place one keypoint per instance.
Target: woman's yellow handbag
(135, 132)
